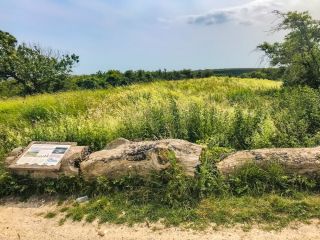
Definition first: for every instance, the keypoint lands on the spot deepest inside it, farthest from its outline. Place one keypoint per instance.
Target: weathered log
(123, 157)
(302, 161)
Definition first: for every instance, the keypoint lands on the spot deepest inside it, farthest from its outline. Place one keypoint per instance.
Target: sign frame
(35, 167)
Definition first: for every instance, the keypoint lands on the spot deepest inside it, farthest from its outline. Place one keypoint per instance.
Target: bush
(90, 83)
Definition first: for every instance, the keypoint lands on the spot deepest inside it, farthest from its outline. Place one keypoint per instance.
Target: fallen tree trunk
(302, 161)
(123, 157)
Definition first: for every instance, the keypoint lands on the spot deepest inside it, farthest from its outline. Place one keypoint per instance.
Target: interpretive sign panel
(43, 155)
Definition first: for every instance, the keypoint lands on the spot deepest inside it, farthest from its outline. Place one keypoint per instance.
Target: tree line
(117, 78)
(113, 78)
(30, 69)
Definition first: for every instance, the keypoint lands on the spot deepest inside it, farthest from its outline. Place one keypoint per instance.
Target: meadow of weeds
(196, 110)
(224, 114)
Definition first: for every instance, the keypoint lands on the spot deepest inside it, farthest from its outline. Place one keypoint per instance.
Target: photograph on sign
(43, 154)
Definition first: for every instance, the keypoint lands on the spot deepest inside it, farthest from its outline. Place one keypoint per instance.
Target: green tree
(90, 82)
(34, 68)
(299, 53)
(115, 78)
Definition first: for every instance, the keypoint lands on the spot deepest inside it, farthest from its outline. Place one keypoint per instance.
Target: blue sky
(150, 34)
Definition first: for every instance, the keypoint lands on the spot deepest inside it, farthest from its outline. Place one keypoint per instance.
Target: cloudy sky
(149, 34)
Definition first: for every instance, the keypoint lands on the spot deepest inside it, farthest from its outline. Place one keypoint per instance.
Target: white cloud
(253, 12)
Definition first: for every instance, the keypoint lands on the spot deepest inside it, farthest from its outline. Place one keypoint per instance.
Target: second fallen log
(302, 161)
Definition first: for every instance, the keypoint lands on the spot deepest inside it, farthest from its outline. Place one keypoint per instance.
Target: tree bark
(302, 161)
(122, 157)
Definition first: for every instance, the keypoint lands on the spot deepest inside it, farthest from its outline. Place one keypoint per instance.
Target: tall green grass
(221, 112)
(191, 109)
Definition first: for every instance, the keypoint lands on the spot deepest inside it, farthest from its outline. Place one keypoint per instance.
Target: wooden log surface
(122, 157)
(302, 161)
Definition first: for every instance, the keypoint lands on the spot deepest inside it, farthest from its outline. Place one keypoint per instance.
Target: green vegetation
(270, 211)
(113, 78)
(299, 53)
(102, 80)
(253, 195)
(220, 112)
(34, 69)
(30, 69)
(206, 110)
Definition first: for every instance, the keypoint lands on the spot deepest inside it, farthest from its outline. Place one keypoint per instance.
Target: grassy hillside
(218, 111)
(222, 113)
(182, 109)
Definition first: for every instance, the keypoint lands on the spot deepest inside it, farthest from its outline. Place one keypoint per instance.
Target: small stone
(82, 199)
(101, 233)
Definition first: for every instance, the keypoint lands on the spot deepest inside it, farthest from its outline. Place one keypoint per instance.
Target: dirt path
(23, 221)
